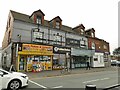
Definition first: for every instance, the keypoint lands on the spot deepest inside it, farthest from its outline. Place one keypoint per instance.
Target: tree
(116, 51)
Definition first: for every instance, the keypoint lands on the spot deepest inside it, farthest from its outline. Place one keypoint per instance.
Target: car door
(5, 78)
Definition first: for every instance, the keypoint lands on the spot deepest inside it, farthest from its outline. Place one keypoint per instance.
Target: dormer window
(57, 24)
(92, 34)
(39, 20)
(82, 31)
(38, 17)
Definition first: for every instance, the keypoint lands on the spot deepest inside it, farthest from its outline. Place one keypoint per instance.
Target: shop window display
(37, 66)
(58, 61)
(41, 63)
(35, 63)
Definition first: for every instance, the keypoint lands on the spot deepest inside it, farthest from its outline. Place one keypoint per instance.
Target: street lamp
(68, 60)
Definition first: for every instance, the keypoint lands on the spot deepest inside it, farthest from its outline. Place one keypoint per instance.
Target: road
(101, 79)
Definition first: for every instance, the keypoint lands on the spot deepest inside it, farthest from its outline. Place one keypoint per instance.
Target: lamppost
(68, 61)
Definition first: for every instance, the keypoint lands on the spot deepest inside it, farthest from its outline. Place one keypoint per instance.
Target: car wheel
(14, 85)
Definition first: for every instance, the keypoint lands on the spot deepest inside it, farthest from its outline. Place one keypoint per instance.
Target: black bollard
(90, 87)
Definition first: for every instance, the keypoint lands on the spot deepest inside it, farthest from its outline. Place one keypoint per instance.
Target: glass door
(22, 63)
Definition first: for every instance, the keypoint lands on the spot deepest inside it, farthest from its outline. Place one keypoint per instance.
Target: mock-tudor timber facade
(51, 45)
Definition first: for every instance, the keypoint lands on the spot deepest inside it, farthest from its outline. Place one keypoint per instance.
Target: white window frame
(39, 20)
(92, 34)
(82, 31)
(93, 45)
(57, 24)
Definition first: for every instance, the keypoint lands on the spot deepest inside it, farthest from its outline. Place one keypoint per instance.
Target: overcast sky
(102, 15)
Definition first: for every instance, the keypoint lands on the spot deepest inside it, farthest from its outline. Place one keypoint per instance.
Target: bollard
(90, 87)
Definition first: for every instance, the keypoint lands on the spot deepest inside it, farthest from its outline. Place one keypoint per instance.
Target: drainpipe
(12, 48)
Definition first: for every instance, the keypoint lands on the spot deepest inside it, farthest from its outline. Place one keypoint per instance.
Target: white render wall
(24, 29)
(100, 60)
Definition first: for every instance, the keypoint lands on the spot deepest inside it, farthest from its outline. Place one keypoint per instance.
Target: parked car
(12, 80)
(115, 63)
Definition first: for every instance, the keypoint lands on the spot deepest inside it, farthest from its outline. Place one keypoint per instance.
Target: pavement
(43, 74)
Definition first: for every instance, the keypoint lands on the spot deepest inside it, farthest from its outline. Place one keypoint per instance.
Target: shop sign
(37, 48)
(37, 36)
(61, 49)
(72, 42)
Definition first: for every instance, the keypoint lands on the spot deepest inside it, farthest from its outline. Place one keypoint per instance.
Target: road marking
(113, 85)
(37, 84)
(91, 81)
(58, 87)
(96, 80)
(104, 78)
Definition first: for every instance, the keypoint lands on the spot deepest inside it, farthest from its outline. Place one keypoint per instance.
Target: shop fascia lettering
(32, 47)
(61, 49)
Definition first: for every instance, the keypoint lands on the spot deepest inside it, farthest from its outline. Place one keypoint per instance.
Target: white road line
(37, 84)
(112, 85)
(91, 81)
(96, 80)
(104, 78)
(58, 87)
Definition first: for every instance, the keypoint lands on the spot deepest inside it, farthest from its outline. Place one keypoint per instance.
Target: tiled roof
(26, 18)
(20, 16)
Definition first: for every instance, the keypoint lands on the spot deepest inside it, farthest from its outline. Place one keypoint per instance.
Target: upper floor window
(105, 47)
(39, 20)
(82, 43)
(57, 39)
(57, 24)
(92, 34)
(37, 36)
(82, 31)
(93, 45)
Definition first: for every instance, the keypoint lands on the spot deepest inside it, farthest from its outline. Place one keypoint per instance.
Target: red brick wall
(98, 43)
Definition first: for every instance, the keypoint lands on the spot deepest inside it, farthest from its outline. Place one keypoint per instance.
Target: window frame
(39, 20)
(57, 24)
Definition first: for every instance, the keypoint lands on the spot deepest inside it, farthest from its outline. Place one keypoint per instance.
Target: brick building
(32, 42)
(101, 48)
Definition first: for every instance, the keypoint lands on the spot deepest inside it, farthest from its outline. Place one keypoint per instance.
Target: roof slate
(26, 18)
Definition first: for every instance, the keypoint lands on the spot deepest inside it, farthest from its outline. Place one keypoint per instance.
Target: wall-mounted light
(19, 35)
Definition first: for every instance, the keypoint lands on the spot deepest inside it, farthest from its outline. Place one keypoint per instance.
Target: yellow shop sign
(37, 48)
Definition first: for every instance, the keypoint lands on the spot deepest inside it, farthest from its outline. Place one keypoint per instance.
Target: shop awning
(82, 52)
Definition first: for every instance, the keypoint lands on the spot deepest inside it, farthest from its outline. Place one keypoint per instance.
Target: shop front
(79, 57)
(34, 58)
(61, 57)
(98, 59)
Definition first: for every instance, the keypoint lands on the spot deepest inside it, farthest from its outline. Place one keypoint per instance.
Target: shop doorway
(22, 63)
(79, 61)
